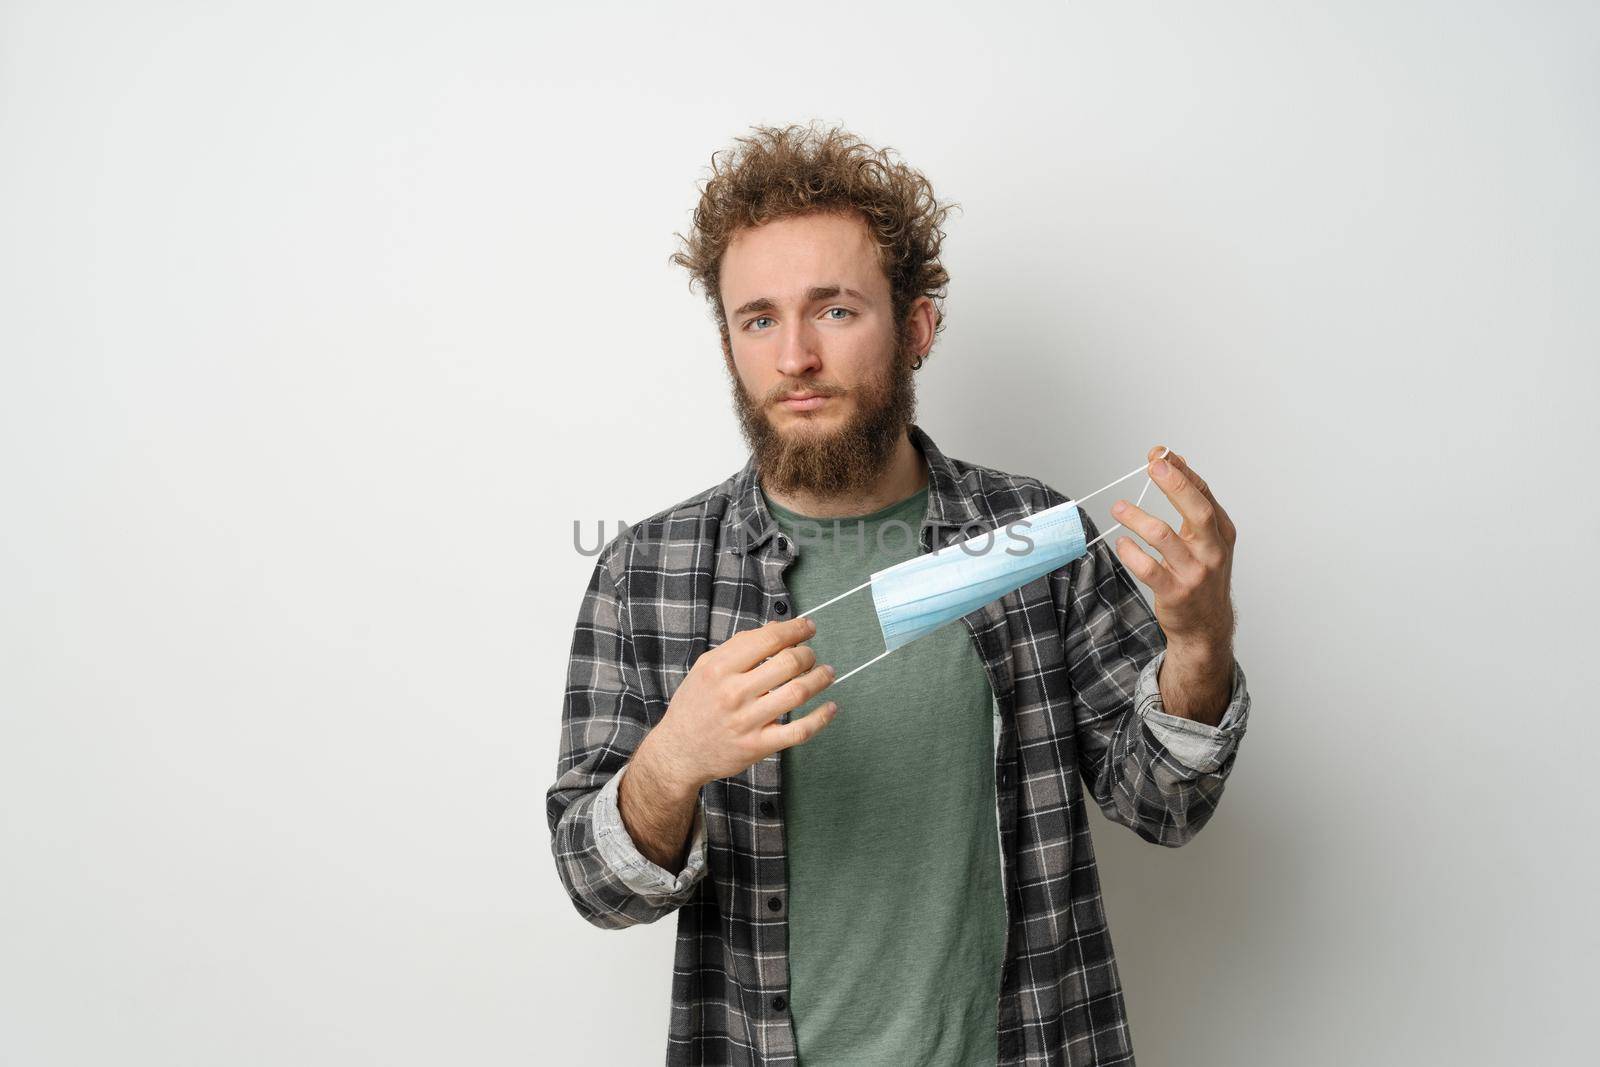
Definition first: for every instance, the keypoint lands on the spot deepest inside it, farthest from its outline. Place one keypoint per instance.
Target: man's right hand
(722, 717)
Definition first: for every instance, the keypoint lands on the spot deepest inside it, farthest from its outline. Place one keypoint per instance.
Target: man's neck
(906, 473)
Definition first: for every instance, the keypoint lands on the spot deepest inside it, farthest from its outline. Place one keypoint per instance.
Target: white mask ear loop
(1147, 484)
(1142, 467)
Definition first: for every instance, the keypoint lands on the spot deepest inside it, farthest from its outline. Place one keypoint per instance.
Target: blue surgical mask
(921, 594)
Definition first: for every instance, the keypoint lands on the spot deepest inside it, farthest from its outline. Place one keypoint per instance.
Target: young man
(897, 869)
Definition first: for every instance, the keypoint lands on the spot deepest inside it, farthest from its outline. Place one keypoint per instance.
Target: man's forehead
(791, 259)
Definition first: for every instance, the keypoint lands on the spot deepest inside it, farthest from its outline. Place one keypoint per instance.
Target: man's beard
(840, 462)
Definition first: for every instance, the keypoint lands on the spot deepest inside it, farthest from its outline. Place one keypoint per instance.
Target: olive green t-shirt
(896, 916)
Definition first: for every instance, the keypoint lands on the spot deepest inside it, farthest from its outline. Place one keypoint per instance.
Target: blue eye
(847, 311)
(755, 320)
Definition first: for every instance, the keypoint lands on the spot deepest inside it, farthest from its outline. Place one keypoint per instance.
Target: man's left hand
(1191, 580)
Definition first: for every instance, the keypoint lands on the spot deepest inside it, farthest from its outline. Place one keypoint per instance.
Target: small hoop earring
(918, 364)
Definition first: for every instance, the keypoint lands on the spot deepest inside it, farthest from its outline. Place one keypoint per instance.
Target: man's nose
(799, 354)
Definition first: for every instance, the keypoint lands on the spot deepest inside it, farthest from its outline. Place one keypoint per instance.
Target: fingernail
(1119, 507)
(811, 626)
(1161, 468)
(829, 668)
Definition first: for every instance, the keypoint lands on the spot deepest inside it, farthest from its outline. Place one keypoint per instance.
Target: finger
(792, 694)
(1143, 567)
(1157, 534)
(787, 663)
(780, 736)
(1199, 516)
(749, 647)
(1224, 522)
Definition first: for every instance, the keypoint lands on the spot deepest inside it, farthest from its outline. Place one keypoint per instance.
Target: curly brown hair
(781, 172)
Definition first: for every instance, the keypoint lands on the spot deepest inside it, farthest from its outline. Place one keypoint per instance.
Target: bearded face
(819, 355)
(838, 445)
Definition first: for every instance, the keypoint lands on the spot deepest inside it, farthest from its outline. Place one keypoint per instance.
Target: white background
(322, 322)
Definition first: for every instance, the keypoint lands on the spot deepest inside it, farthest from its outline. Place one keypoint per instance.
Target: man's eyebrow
(816, 292)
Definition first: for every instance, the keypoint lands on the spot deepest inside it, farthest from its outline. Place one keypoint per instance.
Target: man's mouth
(803, 401)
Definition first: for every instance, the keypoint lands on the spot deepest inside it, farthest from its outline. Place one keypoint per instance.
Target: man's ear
(921, 319)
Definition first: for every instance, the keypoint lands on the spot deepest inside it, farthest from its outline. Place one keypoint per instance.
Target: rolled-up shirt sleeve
(1197, 745)
(649, 880)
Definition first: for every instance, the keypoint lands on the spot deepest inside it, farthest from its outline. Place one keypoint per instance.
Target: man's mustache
(781, 393)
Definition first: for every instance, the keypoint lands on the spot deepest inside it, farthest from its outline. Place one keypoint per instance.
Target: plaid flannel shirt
(1072, 659)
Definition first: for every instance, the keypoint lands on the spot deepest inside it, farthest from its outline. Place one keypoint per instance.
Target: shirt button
(774, 904)
(778, 1003)
(768, 808)
(781, 607)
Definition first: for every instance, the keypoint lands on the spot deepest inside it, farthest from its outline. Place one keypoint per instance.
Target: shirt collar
(949, 503)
